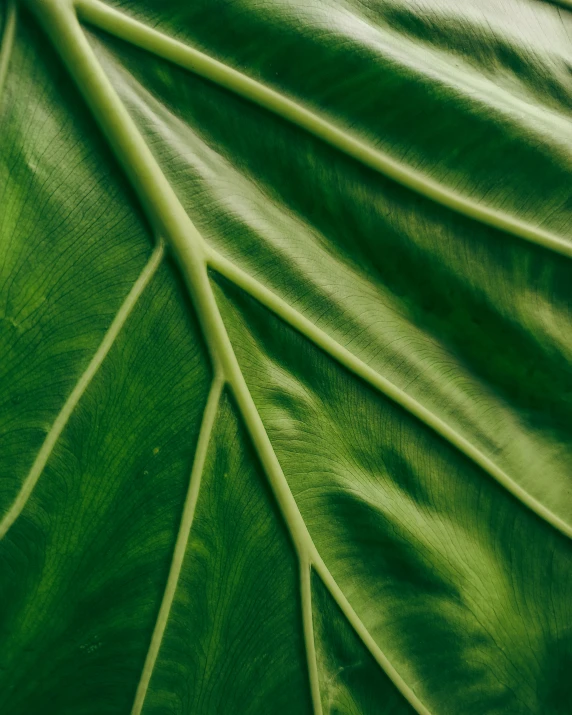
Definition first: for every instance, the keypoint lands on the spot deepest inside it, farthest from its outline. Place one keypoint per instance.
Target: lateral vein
(189, 507)
(81, 386)
(170, 220)
(99, 15)
(365, 636)
(7, 42)
(351, 362)
(308, 628)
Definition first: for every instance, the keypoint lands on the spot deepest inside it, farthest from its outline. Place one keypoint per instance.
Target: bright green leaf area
(285, 357)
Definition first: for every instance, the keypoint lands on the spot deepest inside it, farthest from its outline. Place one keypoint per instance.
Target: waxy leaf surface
(286, 357)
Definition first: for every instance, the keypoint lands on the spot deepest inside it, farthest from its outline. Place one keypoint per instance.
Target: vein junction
(195, 257)
(171, 221)
(100, 15)
(343, 356)
(105, 18)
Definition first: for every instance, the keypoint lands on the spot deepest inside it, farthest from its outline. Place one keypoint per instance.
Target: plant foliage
(285, 357)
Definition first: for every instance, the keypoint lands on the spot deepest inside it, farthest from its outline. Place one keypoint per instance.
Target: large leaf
(286, 358)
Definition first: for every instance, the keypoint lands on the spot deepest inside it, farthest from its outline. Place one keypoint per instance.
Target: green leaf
(286, 357)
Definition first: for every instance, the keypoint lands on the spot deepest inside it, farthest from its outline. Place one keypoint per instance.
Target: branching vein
(171, 221)
(105, 18)
(351, 362)
(182, 540)
(79, 389)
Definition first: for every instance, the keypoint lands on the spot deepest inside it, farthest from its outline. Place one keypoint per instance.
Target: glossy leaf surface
(285, 358)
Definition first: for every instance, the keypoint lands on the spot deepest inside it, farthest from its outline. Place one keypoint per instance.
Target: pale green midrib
(81, 386)
(342, 355)
(115, 23)
(170, 220)
(182, 540)
(7, 42)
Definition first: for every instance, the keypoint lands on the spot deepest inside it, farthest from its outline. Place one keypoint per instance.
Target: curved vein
(350, 361)
(116, 23)
(182, 541)
(7, 42)
(81, 386)
(171, 221)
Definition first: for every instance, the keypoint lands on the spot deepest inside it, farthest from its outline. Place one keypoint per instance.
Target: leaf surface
(285, 295)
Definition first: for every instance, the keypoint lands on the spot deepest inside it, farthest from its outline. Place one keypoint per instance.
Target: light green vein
(308, 627)
(170, 220)
(81, 386)
(351, 362)
(7, 42)
(182, 541)
(100, 15)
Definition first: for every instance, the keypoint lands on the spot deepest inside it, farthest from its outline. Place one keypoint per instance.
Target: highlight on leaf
(285, 316)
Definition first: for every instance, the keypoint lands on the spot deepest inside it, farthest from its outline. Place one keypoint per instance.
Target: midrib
(194, 257)
(136, 33)
(170, 221)
(358, 367)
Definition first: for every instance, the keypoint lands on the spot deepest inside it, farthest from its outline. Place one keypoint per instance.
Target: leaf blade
(401, 545)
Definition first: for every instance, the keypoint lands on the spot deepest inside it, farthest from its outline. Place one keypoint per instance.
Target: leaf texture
(286, 366)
